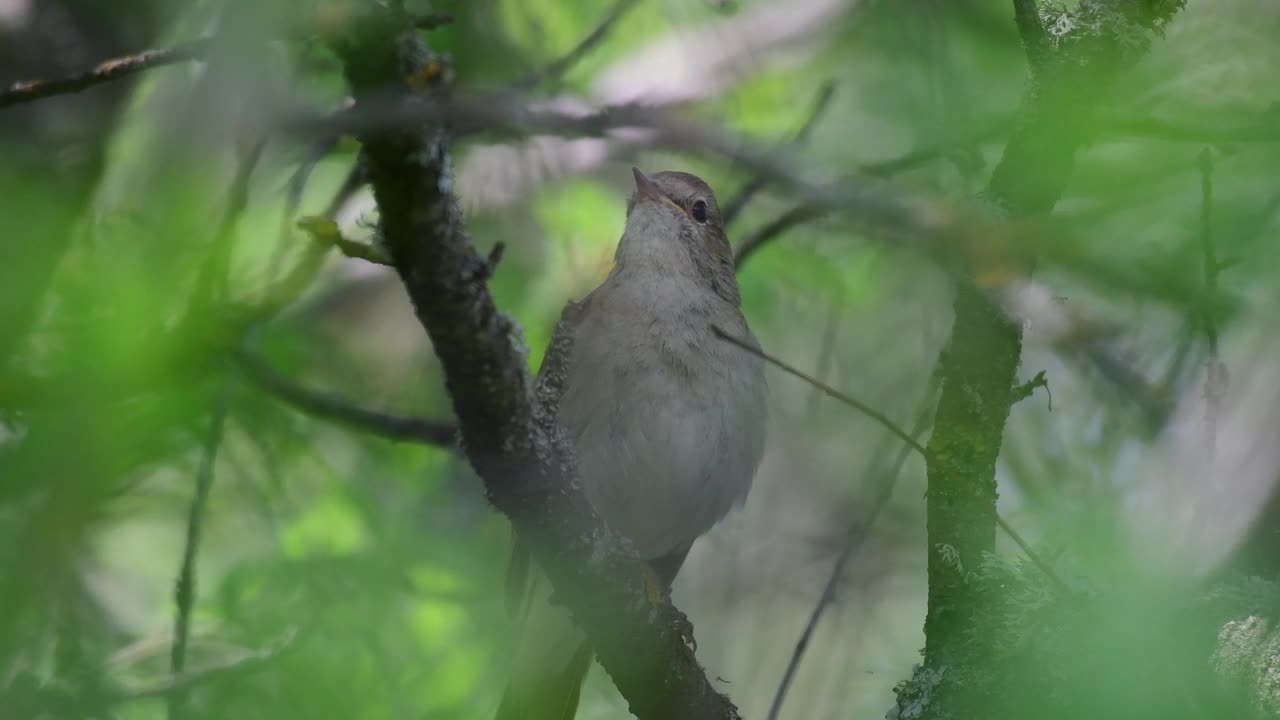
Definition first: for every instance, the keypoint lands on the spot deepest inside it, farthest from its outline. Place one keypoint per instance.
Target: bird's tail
(551, 657)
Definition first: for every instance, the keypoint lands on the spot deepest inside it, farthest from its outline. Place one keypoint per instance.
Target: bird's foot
(655, 591)
(658, 594)
(685, 628)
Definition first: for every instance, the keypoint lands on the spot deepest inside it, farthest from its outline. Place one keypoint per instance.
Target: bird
(667, 420)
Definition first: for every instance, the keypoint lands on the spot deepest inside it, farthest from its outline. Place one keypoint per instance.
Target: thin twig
(298, 279)
(298, 180)
(355, 179)
(556, 69)
(30, 90)
(891, 427)
(60, 699)
(858, 405)
(806, 212)
(795, 216)
(1031, 554)
(1154, 128)
(185, 588)
(341, 410)
(853, 542)
(736, 204)
(1215, 380)
(188, 680)
(826, 351)
(212, 282)
(326, 232)
(1027, 389)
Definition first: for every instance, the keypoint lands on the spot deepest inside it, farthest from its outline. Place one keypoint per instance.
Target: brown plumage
(667, 421)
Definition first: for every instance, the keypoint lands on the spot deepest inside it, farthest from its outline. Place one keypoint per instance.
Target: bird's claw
(685, 628)
(658, 593)
(654, 591)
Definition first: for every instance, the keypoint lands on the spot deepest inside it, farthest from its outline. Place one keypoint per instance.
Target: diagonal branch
(511, 438)
(853, 541)
(556, 69)
(912, 443)
(106, 71)
(185, 588)
(1216, 372)
(343, 411)
(852, 402)
(736, 204)
(797, 215)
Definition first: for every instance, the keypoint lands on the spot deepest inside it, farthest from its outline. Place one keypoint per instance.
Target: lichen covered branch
(510, 438)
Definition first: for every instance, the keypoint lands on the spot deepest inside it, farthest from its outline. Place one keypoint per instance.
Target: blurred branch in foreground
(106, 71)
(185, 587)
(37, 702)
(738, 202)
(342, 410)
(996, 247)
(556, 69)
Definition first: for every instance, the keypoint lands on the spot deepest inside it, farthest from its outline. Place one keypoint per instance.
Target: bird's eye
(700, 211)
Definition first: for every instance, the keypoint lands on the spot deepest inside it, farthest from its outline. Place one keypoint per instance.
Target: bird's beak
(645, 187)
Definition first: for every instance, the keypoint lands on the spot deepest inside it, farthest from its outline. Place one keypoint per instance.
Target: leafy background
(360, 576)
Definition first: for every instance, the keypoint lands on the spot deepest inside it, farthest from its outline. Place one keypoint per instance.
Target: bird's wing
(520, 571)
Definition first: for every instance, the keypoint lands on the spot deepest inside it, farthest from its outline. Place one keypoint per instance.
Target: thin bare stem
(1215, 380)
(797, 215)
(556, 69)
(854, 403)
(736, 204)
(185, 588)
(107, 71)
(343, 411)
(212, 282)
(853, 541)
(891, 427)
(826, 351)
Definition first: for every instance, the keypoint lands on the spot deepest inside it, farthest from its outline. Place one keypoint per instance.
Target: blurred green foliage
(346, 576)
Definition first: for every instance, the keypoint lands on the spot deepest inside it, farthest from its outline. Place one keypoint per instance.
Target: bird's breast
(666, 419)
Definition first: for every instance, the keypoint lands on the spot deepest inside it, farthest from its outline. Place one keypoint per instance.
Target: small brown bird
(667, 420)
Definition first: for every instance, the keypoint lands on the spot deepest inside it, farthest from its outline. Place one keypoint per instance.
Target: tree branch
(512, 441)
(853, 541)
(852, 402)
(795, 216)
(107, 71)
(185, 588)
(738, 202)
(326, 232)
(910, 439)
(1215, 384)
(59, 699)
(342, 411)
(966, 233)
(556, 69)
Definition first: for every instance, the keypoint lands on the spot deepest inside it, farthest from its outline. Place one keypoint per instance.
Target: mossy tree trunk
(1069, 77)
